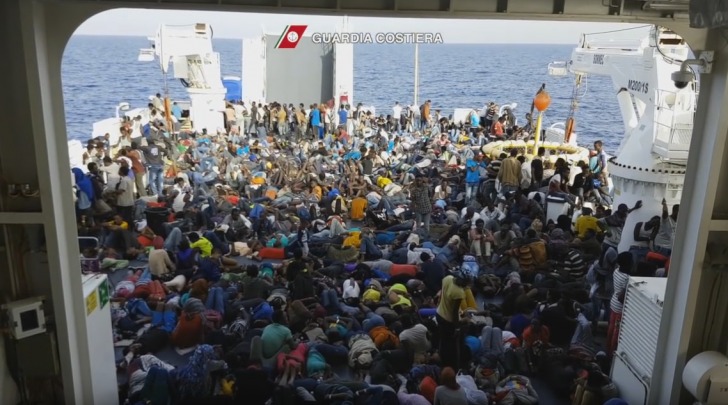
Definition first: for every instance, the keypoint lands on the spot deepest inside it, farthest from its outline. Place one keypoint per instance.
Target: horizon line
(445, 43)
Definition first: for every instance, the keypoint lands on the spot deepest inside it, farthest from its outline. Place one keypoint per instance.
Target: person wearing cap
(448, 318)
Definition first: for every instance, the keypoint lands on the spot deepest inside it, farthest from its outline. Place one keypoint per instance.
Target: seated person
(276, 337)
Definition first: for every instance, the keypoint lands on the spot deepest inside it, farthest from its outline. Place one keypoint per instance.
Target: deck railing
(673, 125)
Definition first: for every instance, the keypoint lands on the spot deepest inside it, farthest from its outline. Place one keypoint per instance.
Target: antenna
(417, 73)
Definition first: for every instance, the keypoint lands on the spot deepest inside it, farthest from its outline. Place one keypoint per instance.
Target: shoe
(26, 191)
(13, 191)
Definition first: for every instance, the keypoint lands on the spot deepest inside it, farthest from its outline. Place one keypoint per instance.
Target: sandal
(26, 191)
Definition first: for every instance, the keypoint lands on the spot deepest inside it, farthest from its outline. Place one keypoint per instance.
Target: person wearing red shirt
(497, 128)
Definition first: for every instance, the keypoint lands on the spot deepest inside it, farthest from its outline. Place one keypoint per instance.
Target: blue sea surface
(99, 72)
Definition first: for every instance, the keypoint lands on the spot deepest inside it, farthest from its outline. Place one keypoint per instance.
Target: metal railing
(672, 136)
(673, 125)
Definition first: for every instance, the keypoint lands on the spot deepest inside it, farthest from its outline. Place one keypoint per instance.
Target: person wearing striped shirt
(492, 170)
(620, 278)
(574, 265)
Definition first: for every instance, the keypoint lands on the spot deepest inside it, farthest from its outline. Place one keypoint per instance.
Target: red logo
(291, 36)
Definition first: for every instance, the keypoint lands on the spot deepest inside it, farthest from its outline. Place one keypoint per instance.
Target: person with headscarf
(140, 383)
(156, 390)
(193, 381)
(85, 196)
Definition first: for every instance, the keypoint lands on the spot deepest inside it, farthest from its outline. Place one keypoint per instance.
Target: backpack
(515, 361)
(490, 284)
(263, 312)
(382, 337)
(213, 320)
(304, 214)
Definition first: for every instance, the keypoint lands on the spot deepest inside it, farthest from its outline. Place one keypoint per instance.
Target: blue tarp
(234, 89)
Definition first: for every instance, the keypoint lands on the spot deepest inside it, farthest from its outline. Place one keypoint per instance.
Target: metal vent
(640, 328)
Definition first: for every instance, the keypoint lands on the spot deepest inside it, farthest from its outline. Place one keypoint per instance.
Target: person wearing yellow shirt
(317, 191)
(201, 244)
(383, 182)
(448, 317)
(587, 222)
(113, 233)
(282, 124)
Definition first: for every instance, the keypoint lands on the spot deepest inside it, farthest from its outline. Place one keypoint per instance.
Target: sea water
(99, 72)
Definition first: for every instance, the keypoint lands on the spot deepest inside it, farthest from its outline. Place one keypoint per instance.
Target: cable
(620, 30)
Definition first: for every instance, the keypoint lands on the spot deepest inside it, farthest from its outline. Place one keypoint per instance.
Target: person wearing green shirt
(200, 244)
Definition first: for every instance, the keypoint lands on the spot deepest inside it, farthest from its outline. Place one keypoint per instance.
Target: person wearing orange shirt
(497, 128)
(536, 333)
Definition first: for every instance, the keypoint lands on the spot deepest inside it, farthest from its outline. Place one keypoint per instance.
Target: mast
(417, 73)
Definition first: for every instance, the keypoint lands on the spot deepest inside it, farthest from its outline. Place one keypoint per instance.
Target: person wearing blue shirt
(177, 111)
(316, 122)
(472, 177)
(474, 122)
(343, 116)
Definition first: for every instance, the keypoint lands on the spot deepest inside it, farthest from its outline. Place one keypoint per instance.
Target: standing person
(666, 233)
(537, 169)
(472, 177)
(137, 165)
(510, 173)
(397, 116)
(153, 155)
(602, 162)
(125, 195)
(620, 279)
(317, 124)
(252, 127)
(490, 113)
(452, 295)
(343, 117)
(421, 203)
(425, 115)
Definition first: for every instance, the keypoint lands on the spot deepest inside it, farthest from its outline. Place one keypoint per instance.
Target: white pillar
(684, 312)
(42, 31)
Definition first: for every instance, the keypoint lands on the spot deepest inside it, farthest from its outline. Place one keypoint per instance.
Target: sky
(245, 25)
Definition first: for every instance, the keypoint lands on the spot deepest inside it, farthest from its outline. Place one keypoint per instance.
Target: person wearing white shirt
(397, 115)
(414, 254)
(492, 216)
(180, 195)
(464, 215)
(111, 169)
(416, 334)
(525, 173)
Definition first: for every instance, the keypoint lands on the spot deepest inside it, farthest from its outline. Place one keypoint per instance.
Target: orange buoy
(542, 101)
